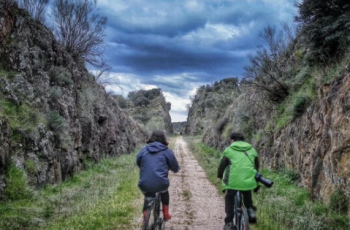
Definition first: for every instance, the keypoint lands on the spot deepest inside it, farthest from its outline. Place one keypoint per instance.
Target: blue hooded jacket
(155, 160)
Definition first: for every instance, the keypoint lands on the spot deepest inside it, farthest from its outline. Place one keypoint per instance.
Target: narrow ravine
(194, 202)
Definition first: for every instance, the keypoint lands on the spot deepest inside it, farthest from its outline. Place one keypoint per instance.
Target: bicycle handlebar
(268, 183)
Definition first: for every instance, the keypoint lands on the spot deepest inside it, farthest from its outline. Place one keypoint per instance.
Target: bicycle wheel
(244, 219)
(145, 224)
(159, 222)
(241, 214)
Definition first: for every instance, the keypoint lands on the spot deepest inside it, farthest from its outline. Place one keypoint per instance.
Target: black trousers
(164, 196)
(230, 203)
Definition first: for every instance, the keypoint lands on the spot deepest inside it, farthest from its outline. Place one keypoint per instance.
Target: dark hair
(159, 136)
(237, 136)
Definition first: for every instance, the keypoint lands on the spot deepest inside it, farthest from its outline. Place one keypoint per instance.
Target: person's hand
(257, 188)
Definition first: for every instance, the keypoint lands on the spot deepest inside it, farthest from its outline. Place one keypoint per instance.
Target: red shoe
(166, 214)
(144, 216)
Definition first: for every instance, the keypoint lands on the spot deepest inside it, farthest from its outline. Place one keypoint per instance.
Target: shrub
(55, 94)
(300, 104)
(16, 184)
(290, 174)
(30, 167)
(21, 116)
(326, 25)
(339, 202)
(60, 75)
(55, 121)
(122, 102)
(141, 101)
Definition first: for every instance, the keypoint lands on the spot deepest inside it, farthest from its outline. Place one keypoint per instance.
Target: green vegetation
(326, 25)
(55, 93)
(338, 202)
(302, 95)
(30, 167)
(60, 76)
(56, 122)
(22, 116)
(9, 74)
(144, 97)
(155, 123)
(285, 205)
(17, 188)
(104, 196)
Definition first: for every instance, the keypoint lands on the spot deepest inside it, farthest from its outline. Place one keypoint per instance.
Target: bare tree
(80, 30)
(36, 8)
(103, 77)
(267, 69)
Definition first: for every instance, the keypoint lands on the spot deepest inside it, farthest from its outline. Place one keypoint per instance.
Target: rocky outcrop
(209, 105)
(318, 144)
(315, 144)
(53, 115)
(150, 109)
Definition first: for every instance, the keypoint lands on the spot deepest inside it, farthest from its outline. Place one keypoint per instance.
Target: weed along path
(195, 203)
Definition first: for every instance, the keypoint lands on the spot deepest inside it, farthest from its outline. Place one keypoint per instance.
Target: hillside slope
(53, 115)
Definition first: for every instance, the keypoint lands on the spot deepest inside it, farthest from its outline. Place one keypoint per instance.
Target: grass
(304, 91)
(9, 74)
(285, 205)
(22, 116)
(104, 196)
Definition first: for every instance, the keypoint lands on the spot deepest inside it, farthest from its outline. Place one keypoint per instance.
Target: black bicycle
(153, 219)
(241, 218)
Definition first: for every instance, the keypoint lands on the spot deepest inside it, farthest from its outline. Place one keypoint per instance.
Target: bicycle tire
(159, 222)
(244, 219)
(241, 214)
(145, 224)
(161, 225)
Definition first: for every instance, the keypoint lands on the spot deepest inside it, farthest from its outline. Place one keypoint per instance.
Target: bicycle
(241, 218)
(153, 209)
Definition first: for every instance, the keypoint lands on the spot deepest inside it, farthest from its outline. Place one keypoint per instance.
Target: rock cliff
(209, 105)
(315, 144)
(149, 108)
(318, 143)
(53, 115)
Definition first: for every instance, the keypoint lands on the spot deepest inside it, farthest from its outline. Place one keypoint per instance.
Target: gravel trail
(194, 202)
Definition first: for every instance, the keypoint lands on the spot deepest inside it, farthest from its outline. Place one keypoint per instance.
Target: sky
(180, 45)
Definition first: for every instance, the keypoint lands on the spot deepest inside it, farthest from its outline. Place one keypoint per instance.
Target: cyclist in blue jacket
(155, 160)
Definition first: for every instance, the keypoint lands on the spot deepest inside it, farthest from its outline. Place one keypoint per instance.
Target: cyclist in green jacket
(237, 170)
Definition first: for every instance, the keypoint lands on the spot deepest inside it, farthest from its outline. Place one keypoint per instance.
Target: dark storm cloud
(151, 42)
(178, 44)
(149, 54)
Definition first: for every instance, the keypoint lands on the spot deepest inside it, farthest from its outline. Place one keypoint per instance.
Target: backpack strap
(245, 153)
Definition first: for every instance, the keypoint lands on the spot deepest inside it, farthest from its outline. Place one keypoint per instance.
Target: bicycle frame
(241, 219)
(153, 208)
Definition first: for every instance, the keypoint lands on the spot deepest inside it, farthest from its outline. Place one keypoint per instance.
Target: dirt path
(194, 202)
